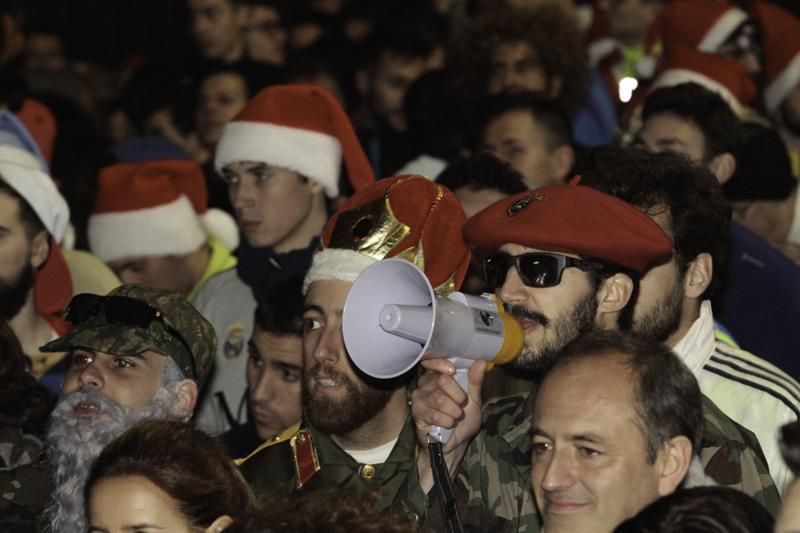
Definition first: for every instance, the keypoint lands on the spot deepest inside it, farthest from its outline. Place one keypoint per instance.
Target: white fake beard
(75, 442)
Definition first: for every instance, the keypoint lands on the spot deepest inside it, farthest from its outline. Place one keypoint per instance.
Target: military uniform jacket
(493, 481)
(285, 465)
(24, 481)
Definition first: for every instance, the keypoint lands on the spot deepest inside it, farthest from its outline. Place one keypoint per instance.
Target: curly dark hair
(547, 29)
(699, 214)
(326, 510)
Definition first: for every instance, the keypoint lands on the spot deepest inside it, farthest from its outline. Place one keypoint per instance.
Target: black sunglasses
(126, 311)
(536, 269)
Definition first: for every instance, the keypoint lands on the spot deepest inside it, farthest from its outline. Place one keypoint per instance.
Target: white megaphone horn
(392, 319)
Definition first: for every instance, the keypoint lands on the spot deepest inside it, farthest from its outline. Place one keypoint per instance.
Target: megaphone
(392, 319)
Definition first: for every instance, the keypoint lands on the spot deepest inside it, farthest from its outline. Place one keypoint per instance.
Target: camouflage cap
(97, 333)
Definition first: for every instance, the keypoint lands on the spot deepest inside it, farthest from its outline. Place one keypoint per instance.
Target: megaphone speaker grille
(373, 350)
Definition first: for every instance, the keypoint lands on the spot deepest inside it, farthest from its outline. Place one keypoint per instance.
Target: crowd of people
(181, 225)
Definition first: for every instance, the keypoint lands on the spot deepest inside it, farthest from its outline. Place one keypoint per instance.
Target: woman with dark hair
(701, 510)
(165, 475)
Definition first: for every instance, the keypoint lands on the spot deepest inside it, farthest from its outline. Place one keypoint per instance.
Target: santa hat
(701, 24)
(408, 217)
(299, 127)
(780, 31)
(726, 77)
(154, 208)
(24, 169)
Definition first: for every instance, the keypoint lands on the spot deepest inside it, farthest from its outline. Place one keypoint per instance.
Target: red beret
(574, 219)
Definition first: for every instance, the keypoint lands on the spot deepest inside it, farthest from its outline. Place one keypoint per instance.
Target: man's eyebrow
(256, 166)
(82, 350)
(137, 527)
(588, 437)
(670, 140)
(287, 366)
(314, 308)
(139, 356)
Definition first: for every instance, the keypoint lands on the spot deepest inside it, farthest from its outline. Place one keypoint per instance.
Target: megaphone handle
(439, 433)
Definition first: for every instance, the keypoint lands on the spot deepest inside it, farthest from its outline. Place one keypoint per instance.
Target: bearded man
(356, 434)
(136, 354)
(35, 282)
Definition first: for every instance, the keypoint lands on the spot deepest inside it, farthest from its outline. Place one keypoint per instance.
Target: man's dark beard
(361, 404)
(75, 442)
(533, 365)
(14, 293)
(664, 319)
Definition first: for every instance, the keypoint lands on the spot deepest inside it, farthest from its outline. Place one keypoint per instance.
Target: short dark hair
(205, 485)
(395, 41)
(280, 308)
(482, 171)
(545, 113)
(30, 220)
(701, 510)
(699, 214)
(252, 76)
(547, 29)
(668, 398)
(705, 109)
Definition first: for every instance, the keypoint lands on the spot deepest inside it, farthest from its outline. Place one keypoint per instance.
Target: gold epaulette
(284, 435)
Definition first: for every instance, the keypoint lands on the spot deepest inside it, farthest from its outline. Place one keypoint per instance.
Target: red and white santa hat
(701, 24)
(726, 77)
(155, 208)
(780, 34)
(299, 127)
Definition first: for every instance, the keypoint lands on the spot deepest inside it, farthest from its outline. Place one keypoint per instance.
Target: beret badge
(521, 204)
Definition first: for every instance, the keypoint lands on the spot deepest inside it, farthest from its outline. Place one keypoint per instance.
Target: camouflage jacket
(24, 481)
(493, 481)
(284, 464)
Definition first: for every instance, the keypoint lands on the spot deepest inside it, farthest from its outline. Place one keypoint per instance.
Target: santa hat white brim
(39, 190)
(166, 229)
(777, 91)
(336, 264)
(672, 77)
(315, 155)
(722, 29)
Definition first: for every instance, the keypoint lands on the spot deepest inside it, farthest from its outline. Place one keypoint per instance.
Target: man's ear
(723, 166)
(186, 398)
(613, 295)
(563, 158)
(554, 88)
(220, 524)
(698, 276)
(40, 249)
(315, 186)
(673, 463)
